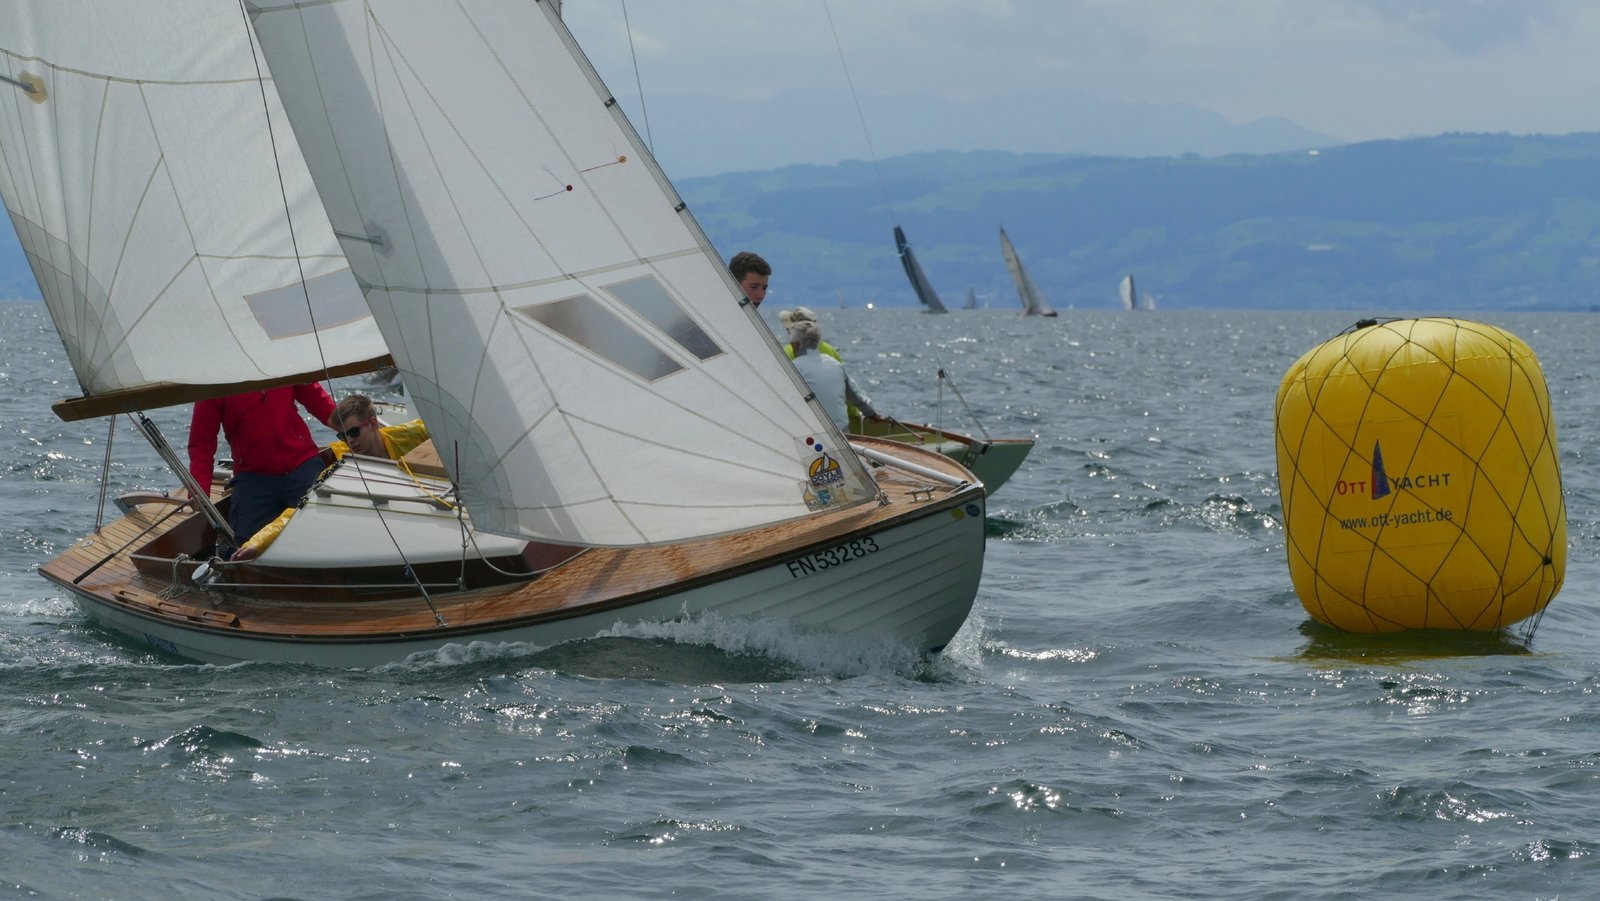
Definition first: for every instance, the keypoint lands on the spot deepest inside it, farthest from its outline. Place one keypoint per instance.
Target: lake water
(1138, 708)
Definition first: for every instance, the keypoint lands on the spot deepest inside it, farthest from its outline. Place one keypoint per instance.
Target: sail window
(583, 320)
(335, 300)
(646, 296)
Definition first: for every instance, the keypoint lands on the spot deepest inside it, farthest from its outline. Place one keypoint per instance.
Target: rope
(944, 376)
(177, 588)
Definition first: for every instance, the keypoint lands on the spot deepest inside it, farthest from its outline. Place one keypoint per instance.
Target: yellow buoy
(1421, 487)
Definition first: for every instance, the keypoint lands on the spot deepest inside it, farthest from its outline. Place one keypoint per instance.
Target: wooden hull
(993, 461)
(906, 570)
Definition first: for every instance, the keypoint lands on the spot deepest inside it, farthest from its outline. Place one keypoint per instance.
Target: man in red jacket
(274, 458)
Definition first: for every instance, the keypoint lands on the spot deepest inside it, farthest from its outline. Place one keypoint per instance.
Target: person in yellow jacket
(356, 421)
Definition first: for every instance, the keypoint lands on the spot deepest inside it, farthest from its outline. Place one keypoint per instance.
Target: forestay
(568, 333)
(138, 168)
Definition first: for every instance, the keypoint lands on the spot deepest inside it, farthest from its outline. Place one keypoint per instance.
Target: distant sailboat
(919, 281)
(972, 299)
(1033, 302)
(1130, 295)
(992, 460)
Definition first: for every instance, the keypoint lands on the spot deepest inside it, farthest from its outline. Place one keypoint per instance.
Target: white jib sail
(140, 174)
(1033, 301)
(565, 329)
(1126, 291)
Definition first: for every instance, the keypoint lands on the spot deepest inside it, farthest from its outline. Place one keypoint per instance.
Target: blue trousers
(258, 498)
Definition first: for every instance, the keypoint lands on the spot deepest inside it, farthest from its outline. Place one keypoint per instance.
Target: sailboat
(240, 196)
(1033, 300)
(972, 299)
(919, 282)
(1130, 295)
(992, 460)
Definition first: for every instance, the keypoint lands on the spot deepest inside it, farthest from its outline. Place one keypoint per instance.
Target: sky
(1355, 70)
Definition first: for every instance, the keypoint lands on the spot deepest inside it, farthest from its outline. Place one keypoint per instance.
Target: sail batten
(561, 322)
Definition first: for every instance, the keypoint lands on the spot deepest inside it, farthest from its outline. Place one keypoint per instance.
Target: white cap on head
(803, 333)
(787, 318)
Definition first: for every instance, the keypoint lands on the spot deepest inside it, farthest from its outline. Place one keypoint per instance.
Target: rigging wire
(888, 205)
(649, 141)
(105, 474)
(316, 333)
(283, 192)
(872, 153)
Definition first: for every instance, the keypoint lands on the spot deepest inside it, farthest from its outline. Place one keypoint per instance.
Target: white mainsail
(145, 186)
(563, 326)
(1033, 301)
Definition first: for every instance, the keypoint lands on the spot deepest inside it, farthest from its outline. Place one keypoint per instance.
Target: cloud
(1474, 27)
(1356, 69)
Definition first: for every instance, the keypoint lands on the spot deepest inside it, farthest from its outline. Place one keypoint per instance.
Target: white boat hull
(914, 581)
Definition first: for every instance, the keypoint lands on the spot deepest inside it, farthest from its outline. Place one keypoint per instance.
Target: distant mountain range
(1458, 222)
(694, 135)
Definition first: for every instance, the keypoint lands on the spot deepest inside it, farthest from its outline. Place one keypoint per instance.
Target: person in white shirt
(826, 375)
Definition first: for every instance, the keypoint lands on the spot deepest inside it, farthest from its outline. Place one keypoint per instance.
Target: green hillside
(1447, 223)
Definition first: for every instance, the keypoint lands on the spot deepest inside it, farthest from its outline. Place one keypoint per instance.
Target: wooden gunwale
(915, 433)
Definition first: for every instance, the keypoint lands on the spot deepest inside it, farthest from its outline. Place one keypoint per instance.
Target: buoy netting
(1420, 478)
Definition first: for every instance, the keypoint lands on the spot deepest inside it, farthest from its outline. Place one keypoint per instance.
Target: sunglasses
(352, 432)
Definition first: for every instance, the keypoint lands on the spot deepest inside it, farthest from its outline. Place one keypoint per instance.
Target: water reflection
(1324, 643)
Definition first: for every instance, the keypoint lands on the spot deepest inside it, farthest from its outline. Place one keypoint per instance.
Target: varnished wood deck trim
(916, 433)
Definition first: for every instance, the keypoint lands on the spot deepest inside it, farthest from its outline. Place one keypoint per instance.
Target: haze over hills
(1452, 223)
(695, 135)
(1457, 222)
